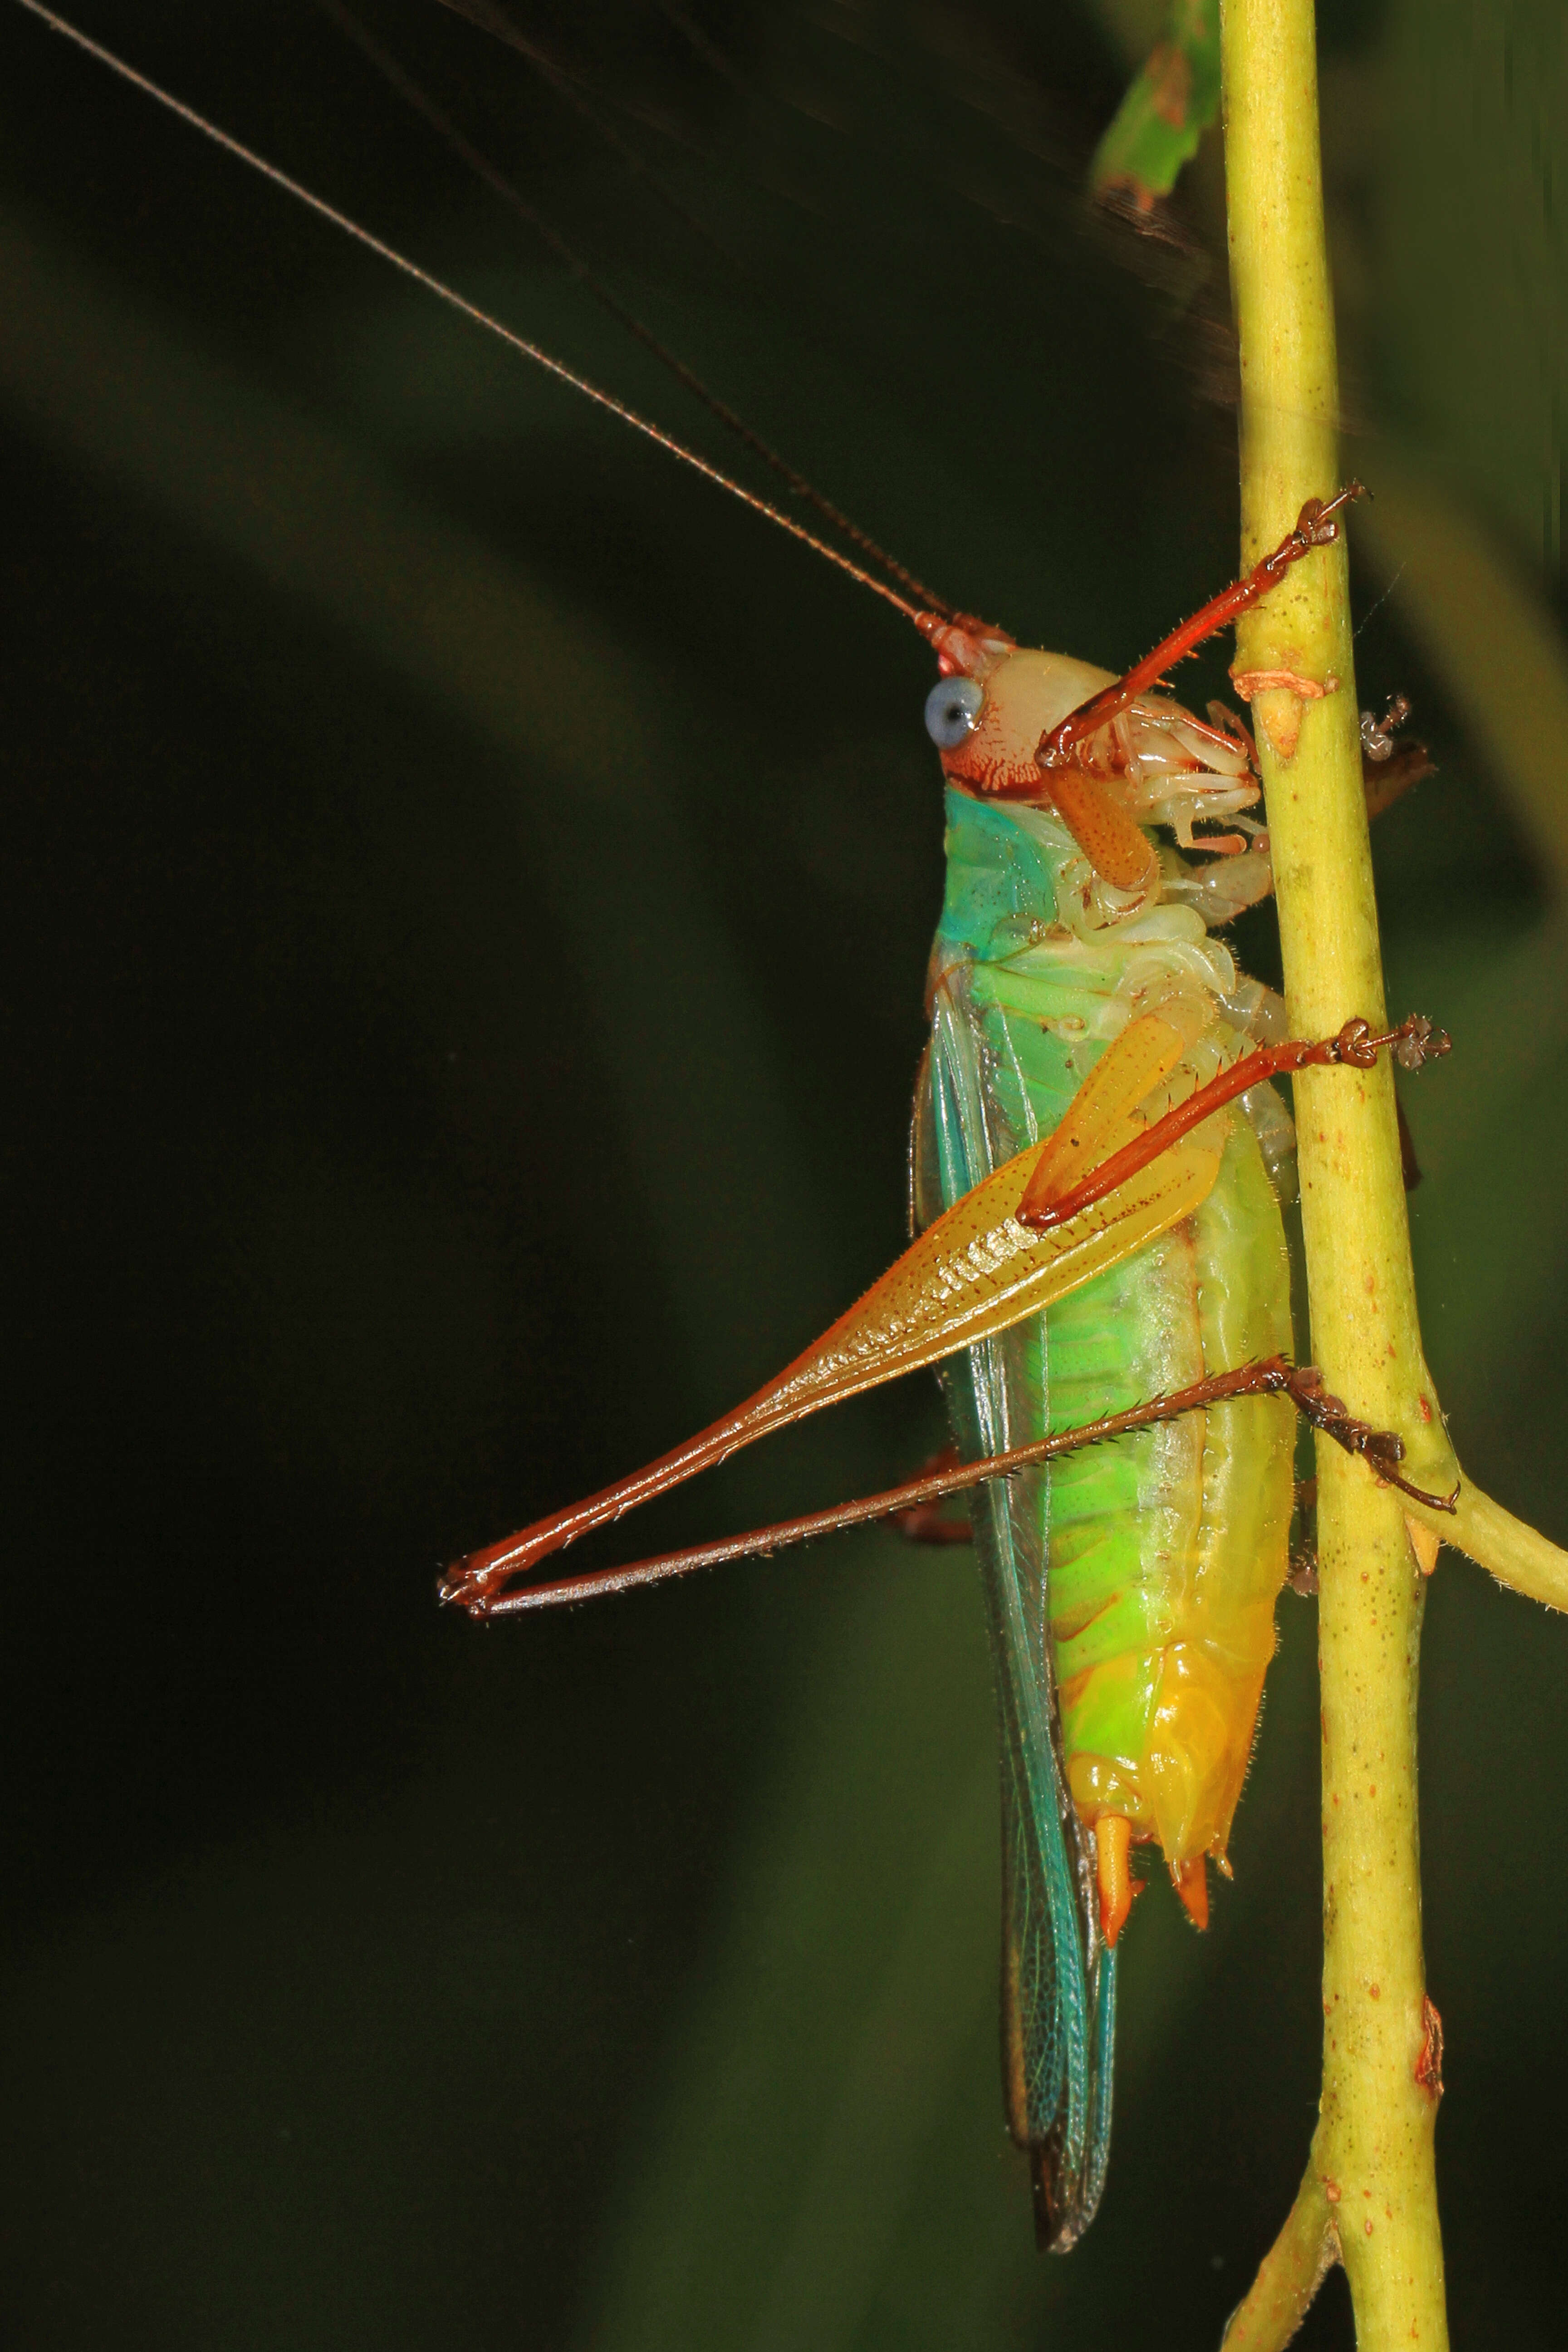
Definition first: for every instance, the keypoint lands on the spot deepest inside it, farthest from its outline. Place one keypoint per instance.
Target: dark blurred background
(467, 888)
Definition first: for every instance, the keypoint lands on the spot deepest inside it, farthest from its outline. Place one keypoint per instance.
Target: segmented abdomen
(1166, 1549)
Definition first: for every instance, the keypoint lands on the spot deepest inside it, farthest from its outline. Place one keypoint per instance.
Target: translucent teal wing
(1058, 1987)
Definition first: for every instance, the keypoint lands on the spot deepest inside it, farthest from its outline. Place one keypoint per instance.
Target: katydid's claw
(1318, 524)
(1449, 1503)
(468, 1587)
(1380, 1449)
(1419, 1042)
(1377, 734)
(1416, 1040)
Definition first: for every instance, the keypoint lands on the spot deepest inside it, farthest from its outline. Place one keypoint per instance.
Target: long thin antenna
(460, 303)
(480, 163)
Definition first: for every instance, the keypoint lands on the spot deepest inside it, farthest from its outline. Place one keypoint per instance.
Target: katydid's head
(988, 714)
(1107, 757)
(995, 702)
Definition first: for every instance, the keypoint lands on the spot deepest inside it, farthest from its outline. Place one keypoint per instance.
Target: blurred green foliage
(1171, 101)
(469, 897)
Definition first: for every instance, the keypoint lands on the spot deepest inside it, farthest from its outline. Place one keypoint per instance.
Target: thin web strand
(500, 28)
(497, 180)
(459, 302)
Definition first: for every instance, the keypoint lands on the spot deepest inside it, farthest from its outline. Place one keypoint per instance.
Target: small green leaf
(1165, 112)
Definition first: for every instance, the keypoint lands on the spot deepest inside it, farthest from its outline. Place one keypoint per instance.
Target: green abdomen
(1166, 1549)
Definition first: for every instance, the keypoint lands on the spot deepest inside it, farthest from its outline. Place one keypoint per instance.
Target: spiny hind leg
(1269, 1376)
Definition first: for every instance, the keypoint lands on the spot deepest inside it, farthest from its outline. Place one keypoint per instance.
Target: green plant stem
(1289, 2274)
(1374, 2148)
(1516, 1555)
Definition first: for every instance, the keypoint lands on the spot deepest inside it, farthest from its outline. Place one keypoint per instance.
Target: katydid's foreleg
(1223, 887)
(1389, 766)
(1316, 526)
(1383, 783)
(1409, 1166)
(1270, 1376)
(1414, 1041)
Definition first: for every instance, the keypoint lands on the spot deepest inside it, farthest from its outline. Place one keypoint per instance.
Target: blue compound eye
(952, 712)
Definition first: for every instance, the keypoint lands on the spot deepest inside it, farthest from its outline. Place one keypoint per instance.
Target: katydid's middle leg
(1413, 1043)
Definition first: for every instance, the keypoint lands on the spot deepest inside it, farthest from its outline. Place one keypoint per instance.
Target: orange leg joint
(1114, 1845)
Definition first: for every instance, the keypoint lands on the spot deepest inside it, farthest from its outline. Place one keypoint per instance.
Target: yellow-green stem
(1291, 2272)
(1515, 1554)
(1374, 2148)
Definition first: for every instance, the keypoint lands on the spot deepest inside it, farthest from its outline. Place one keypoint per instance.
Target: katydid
(1095, 1226)
(1098, 1255)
